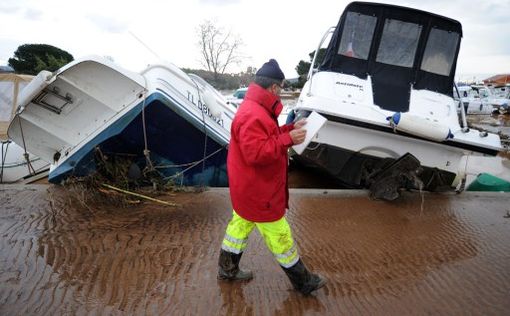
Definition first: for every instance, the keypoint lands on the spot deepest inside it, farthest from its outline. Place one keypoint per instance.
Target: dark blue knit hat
(271, 69)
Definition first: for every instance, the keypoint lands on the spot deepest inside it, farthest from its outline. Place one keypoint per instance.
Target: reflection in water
(297, 304)
(58, 257)
(233, 299)
(386, 251)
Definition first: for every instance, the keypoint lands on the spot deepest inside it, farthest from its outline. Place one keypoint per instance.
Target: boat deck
(432, 254)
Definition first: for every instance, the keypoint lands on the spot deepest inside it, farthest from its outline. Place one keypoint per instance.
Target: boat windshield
(440, 52)
(357, 35)
(398, 43)
(400, 49)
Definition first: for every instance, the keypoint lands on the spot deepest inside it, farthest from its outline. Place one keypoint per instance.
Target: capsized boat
(385, 86)
(164, 122)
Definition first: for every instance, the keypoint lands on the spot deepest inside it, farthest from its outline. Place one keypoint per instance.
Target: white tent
(10, 86)
(13, 163)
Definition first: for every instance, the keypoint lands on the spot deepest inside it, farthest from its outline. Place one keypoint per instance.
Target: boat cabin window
(398, 43)
(440, 52)
(357, 35)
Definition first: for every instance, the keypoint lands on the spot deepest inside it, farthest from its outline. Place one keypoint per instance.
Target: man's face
(277, 88)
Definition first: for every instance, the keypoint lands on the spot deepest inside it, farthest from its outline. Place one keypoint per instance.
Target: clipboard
(314, 122)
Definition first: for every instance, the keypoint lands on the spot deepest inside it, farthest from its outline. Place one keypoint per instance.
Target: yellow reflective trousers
(277, 236)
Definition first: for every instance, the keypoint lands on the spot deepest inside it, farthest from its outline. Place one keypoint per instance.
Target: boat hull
(353, 154)
(174, 143)
(355, 170)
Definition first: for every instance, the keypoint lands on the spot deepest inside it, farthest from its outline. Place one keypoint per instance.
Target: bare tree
(218, 49)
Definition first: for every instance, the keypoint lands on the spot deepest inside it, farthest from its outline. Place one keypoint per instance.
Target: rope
(462, 186)
(193, 164)
(176, 166)
(146, 151)
(25, 154)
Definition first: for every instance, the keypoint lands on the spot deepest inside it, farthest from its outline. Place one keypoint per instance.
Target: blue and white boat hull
(179, 120)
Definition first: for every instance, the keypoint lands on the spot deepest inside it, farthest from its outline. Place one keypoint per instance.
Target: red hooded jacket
(257, 158)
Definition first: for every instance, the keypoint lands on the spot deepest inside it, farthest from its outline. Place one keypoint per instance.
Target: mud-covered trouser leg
(278, 238)
(237, 233)
(232, 247)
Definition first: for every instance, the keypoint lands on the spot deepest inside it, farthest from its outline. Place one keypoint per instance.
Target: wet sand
(452, 257)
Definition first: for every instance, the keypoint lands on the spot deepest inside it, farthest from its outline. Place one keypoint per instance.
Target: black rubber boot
(303, 280)
(229, 267)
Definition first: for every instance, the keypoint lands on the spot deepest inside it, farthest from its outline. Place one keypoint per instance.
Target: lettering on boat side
(203, 107)
(360, 87)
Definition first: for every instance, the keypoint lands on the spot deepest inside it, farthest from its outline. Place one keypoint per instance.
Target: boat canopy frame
(399, 48)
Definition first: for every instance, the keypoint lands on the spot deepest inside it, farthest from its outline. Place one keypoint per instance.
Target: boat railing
(465, 127)
(312, 66)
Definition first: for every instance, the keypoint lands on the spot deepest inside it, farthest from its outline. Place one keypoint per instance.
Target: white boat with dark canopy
(385, 86)
(165, 123)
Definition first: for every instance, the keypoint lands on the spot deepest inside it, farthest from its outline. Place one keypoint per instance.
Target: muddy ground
(59, 256)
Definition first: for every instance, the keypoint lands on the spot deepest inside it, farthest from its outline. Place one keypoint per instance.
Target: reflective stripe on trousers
(276, 235)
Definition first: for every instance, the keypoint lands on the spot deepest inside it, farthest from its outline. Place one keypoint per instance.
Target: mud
(58, 257)
(495, 123)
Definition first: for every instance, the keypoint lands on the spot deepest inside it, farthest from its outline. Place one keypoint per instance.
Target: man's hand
(300, 123)
(297, 135)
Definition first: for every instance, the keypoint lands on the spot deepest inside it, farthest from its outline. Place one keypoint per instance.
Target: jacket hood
(266, 99)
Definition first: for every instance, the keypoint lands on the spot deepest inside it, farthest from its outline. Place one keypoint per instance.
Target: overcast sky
(285, 30)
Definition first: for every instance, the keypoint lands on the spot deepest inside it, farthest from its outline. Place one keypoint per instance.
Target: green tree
(303, 67)
(32, 58)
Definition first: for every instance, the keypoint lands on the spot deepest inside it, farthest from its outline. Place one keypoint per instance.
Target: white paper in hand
(314, 122)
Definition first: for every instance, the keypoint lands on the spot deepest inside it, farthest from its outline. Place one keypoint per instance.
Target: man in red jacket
(257, 174)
